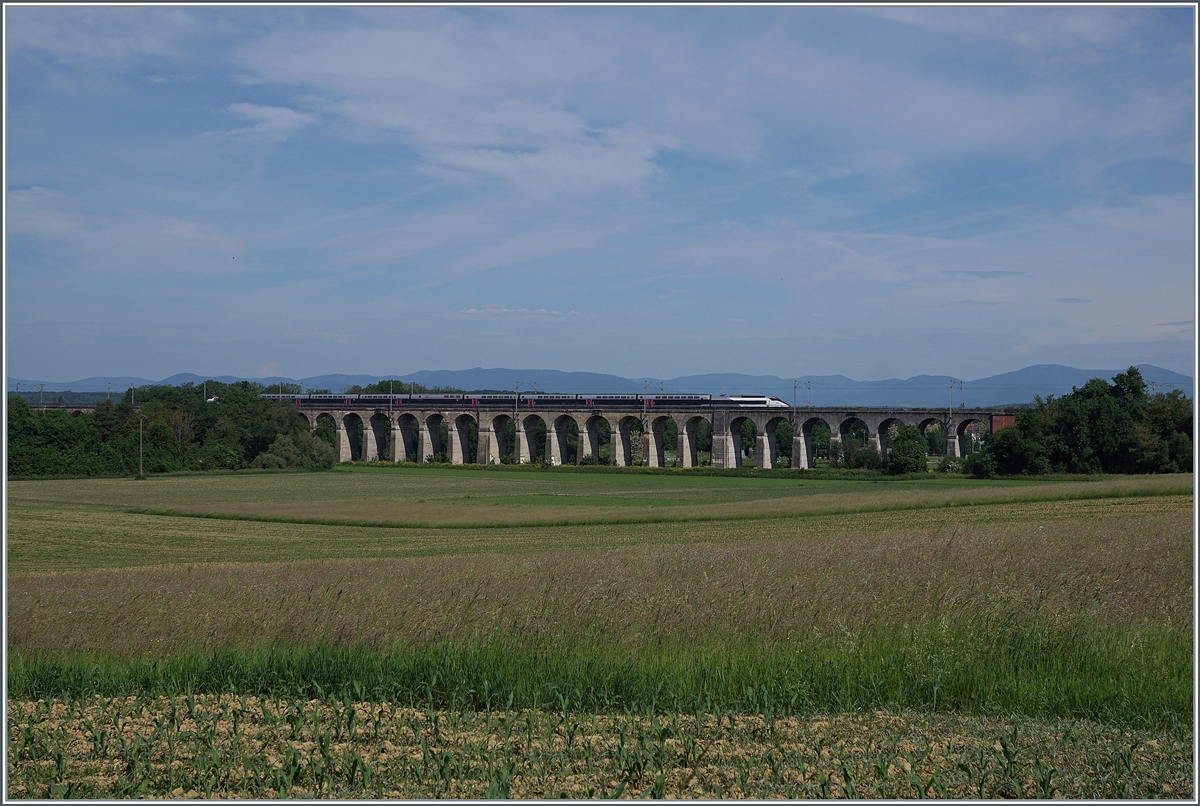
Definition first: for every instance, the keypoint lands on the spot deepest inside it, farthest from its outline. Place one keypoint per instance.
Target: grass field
(767, 618)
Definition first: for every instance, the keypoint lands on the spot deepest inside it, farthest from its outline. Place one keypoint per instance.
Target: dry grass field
(1119, 561)
(960, 611)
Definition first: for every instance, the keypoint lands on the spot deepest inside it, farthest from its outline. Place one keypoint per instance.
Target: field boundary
(823, 473)
(618, 520)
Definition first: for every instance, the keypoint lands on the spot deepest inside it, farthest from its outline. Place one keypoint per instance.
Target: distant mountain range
(1011, 388)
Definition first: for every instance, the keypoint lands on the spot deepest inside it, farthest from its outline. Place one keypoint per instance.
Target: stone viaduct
(415, 435)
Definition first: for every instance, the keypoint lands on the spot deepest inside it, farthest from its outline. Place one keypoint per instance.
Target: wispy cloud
(969, 303)
(492, 311)
(270, 122)
(1072, 300)
(983, 275)
(51, 216)
(486, 102)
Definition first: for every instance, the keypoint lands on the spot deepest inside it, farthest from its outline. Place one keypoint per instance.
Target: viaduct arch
(414, 434)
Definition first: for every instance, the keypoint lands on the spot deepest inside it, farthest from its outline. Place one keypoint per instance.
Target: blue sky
(640, 191)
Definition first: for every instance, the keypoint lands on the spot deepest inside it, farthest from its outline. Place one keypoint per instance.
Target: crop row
(191, 746)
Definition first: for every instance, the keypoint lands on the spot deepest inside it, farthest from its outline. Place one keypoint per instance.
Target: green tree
(935, 439)
(222, 449)
(1099, 427)
(604, 432)
(301, 451)
(180, 430)
(1179, 448)
(326, 431)
(1169, 413)
(1129, 390)
(783, 441)
(670, 435)
(820, 438)
(704, 436)
(1011, 451)
(749, 435)
(981, 464)
(906, 451)
(854, 454)
(1091, 429)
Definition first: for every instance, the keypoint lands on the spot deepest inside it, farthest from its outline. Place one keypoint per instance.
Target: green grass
(1140, 677)
(82, 523)
(532, 508)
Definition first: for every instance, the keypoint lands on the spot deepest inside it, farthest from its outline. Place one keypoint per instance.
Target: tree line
(180, 429)
(1100, 427)
(211, 426)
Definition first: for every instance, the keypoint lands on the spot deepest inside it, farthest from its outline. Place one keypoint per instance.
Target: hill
(1010, 388)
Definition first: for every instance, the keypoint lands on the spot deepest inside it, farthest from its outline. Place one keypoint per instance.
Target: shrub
(854, 455)
(305, 450)
(950, 464)
(1180, 447)
(981, 465)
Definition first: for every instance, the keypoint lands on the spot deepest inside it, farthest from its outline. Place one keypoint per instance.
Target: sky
(870, 192)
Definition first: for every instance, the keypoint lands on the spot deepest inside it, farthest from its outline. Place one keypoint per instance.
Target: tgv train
(529, 400)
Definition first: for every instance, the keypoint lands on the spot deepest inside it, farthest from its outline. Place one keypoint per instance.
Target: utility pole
(41, 396)
(645, 385)
(961, 404)
(795, 384)
(108, 395)
(141, 420)
(662, 388)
